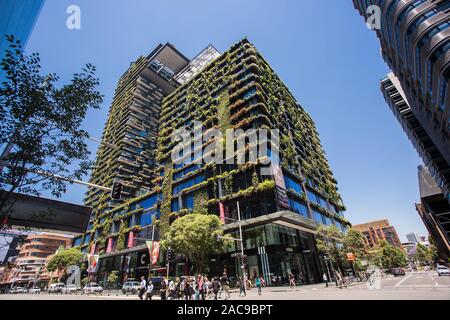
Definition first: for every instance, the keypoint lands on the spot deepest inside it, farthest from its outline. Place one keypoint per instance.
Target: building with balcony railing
(415, 43)
(238, 90)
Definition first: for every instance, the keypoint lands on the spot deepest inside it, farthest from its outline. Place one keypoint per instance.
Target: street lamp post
(241, 240)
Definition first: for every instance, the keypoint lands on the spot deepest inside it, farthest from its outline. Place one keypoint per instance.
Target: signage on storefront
(289, 250)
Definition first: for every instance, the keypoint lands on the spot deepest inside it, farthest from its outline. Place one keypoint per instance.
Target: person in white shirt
(149, 291)
(142, 287)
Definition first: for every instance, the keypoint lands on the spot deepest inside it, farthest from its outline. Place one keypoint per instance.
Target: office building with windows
(415, 43)
(421, 140)
(33, 257)
(280, 211)
(126, 153)
(434, 211)
(376, 231)
(413, 237)
(17, 18)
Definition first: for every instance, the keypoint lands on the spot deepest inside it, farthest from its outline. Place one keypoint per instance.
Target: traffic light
(244, 260)
(171, 254)
(116, 192)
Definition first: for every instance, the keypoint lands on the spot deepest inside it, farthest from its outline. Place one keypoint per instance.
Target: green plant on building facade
(238, 90)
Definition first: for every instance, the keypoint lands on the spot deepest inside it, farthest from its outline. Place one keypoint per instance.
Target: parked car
(18, 290)
(92, 288)
(70, 289)
(398, 272)
(56, 288)
(131, 287)
(34, 290)
(443, 271)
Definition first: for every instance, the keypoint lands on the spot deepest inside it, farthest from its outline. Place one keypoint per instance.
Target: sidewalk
(314, 286)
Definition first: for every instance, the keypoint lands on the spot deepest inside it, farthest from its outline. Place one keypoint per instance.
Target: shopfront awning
(48, 214)
(285, 218)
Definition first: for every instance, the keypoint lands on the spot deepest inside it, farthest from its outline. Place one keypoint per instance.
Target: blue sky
(321, 49)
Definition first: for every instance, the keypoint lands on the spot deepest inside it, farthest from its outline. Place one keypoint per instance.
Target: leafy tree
(329, 242)
(195, 235)
(353, 241)
(388, 256)
(40, 125)
(423, 254)
(65, 258)
(112, 278)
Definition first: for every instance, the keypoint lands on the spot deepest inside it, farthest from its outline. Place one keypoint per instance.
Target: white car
(92, 288)
(70, 289)
(34, 290)
(131, 287)
(443, 271)
(56, 288)
(18, 290)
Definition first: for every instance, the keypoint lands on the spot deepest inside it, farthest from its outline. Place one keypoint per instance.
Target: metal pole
(328, 270)
(242, 246)
(103, 142)
(168, 264)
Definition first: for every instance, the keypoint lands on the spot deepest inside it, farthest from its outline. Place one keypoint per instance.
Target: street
(413, 286)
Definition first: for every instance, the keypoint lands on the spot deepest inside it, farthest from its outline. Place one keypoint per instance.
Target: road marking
(403, 280)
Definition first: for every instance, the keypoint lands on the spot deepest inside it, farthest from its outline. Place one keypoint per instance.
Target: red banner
(222, 212)
(153, 249)
(130, 243)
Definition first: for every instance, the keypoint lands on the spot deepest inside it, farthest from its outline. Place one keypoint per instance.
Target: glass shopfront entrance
(274, 252)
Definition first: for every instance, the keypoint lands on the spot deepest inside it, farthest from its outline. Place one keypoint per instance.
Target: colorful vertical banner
(92, 249)
(109, 247)
(153, 249)
(92, 263)
(222, 212)
(130, 243)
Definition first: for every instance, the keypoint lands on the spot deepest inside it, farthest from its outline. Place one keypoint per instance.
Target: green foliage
(121, 238)
(195, 235)
(388, 256)
(328, 240)
(40, 122)
(353, 241)
(113, 278)
(65, 258)
(424, 255)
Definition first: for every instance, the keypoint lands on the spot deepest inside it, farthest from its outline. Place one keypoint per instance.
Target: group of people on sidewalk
(199, 287)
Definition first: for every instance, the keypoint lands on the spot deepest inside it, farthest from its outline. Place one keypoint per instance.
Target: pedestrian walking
(150, 289)
(200, 288)
(163, 290)
(187, 290)
(215, 287)
(142, 288)
(325, 279)
(195, 287)
(301, 278)
(258, 285)
(179, 288)
(291, 281)
(172, 290)
(242, 286)
(225, 286)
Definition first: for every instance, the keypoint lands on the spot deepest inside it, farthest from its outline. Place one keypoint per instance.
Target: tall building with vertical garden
(280, 212)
